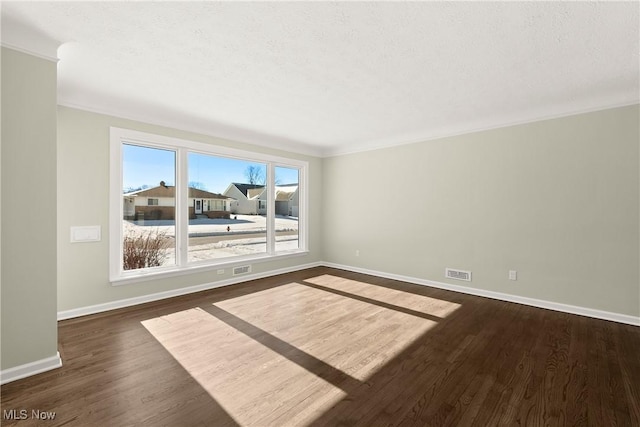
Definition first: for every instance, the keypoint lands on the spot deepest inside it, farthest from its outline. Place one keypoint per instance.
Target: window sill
(145, 276)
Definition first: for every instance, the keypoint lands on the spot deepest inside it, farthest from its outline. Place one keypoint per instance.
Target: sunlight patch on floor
(355, 337)
(424, 304)
(286, 354)
(254, 384)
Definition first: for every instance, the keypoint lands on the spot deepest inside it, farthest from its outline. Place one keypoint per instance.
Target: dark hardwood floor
(326, 347)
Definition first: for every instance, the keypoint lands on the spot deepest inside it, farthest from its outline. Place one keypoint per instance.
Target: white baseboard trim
(128, 302)
(550, 305)
(31, 368)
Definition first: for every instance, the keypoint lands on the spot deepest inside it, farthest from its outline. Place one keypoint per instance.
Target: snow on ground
(228, 248)
(239, 223)
(209, 238)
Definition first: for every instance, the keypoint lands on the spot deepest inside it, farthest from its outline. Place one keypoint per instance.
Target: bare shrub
(146, 249)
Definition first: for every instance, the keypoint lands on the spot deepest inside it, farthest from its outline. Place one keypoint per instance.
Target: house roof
(285, 192)
(283, 196)
(254, 192)
(170, 191)
(202, 194)
(244, 188)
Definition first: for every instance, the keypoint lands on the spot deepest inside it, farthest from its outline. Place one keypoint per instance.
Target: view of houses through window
(222, 221)
(226, 213)
(149, 211)
(286, 201)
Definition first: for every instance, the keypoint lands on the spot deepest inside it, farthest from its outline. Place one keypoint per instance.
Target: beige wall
(556, 200)
(29, 328)
(83, 171)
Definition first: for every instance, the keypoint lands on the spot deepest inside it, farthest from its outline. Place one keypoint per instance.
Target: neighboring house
(286, 200)
(251, 199)
(246, 198)
(159, 203)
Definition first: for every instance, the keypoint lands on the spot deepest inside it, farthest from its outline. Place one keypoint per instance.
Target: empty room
(320, 213)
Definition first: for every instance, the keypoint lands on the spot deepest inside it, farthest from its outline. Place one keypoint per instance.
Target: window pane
(148, 207)
(227, 207)
(286, 209)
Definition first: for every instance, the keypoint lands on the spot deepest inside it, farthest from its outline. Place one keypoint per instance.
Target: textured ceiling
(328, 78)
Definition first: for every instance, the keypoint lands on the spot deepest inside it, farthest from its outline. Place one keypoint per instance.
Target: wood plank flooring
(325, 347)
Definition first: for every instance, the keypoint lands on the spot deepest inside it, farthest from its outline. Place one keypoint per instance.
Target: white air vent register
(451, 273)
(241, 270)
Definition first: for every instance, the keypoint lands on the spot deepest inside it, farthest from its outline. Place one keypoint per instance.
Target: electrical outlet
(513, 275)
(357, 252)
(220, 271)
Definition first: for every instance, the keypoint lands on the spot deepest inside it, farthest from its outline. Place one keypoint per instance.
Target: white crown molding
(363, 148)
(28, 52)
(18, 37)
(316, 151)
(231, 135)
(128, 302)
(274, 143)
(31, 368)
(550, 305)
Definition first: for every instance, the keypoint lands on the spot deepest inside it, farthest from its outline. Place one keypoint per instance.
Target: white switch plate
(90, 233)
(513, 275)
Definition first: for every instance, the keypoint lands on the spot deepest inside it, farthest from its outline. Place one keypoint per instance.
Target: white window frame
(181, 147)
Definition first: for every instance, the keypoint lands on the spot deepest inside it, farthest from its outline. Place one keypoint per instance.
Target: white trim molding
(205, 127)
(181, 149)
(31, 368)
(19, 37)
(128, 302)
(481, 127)
(550, 305)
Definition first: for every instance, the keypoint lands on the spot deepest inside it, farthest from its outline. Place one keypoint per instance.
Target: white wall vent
(241, 270)
(452, 273)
